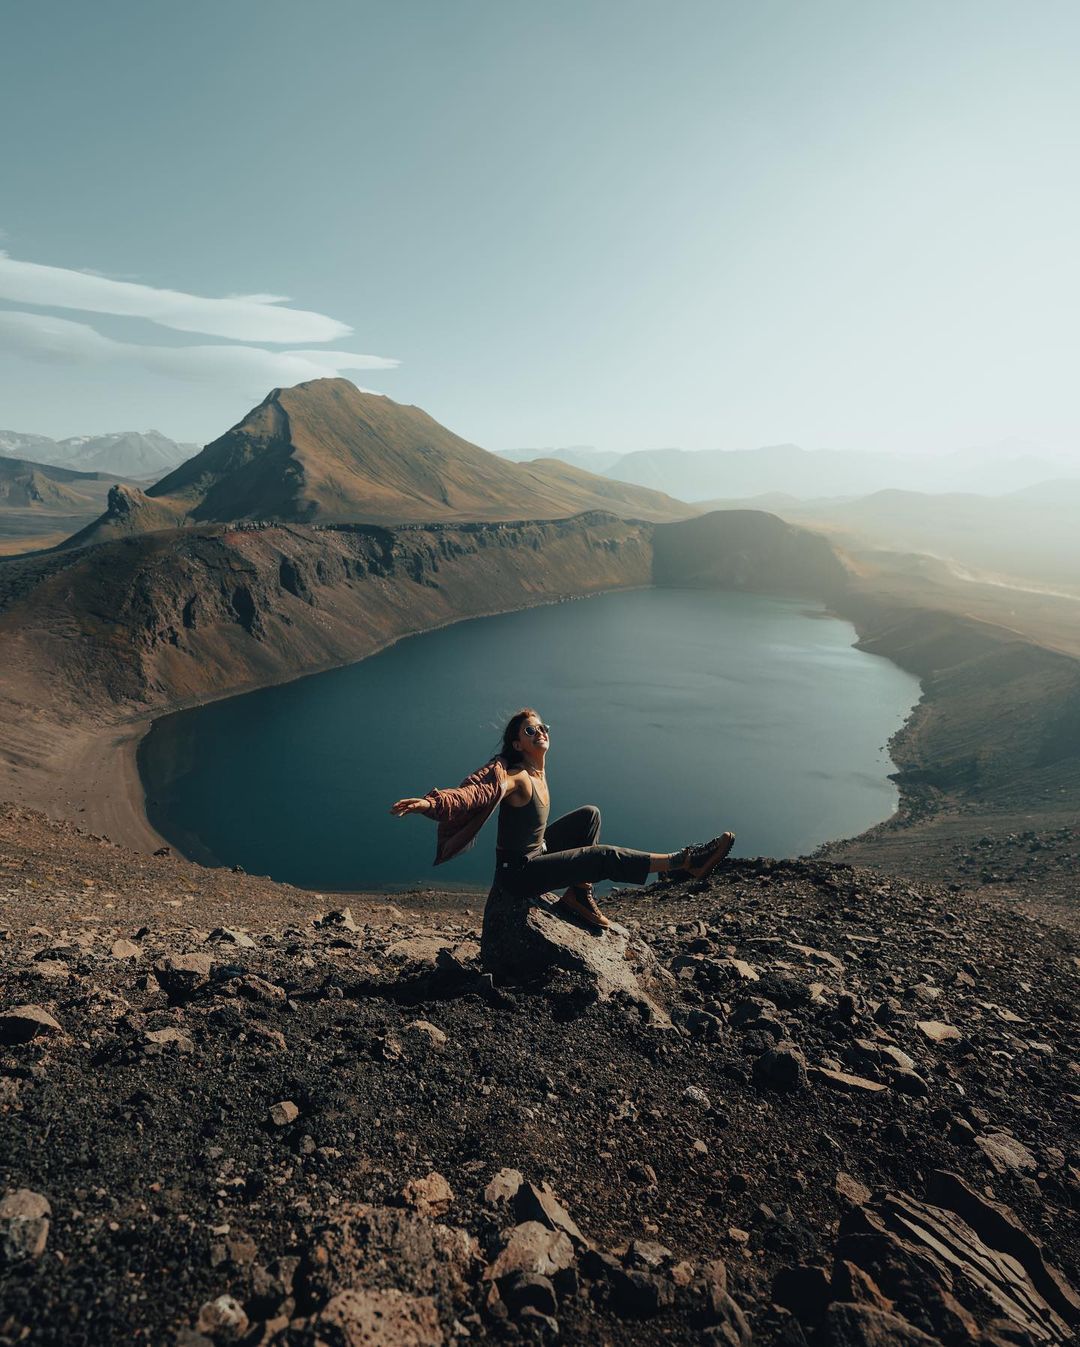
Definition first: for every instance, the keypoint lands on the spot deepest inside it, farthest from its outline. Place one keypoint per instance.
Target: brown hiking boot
(579, 902)
(701, 860)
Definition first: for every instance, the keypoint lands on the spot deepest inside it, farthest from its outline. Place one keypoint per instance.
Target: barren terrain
(272, 1120)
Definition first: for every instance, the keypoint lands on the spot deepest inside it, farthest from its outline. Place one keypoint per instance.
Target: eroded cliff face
(176, 617)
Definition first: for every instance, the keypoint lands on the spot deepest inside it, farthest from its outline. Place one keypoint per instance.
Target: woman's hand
(410, 806)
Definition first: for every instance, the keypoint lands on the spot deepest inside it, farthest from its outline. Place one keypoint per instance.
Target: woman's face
(534, 734)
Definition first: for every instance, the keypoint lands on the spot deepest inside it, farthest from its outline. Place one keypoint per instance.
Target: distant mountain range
(736, 474)
(142, 455)
(579, 455)
(324, 452)
(1026, 537)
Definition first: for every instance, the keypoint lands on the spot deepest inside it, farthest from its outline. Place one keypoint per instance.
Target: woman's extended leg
(579, 831)
(577, 865)
(578, 868)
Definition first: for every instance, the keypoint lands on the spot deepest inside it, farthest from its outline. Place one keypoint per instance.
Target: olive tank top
(521, 828)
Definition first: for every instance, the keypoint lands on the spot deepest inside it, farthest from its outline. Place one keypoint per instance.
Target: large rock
(24, 1225)
(528, 1290)
(922, 1256)
(423, 950)
(503, 1188)
(913, 1284)
(183, 974)
(386, 1248)
(22, 1023)
(782, 1068)
(532, 1247)
(429, 1196)
(169, 1038)
(865, 1326)
(529, 941)
(360, 1317)
(997, 1226)
(532, 1203)
(1004, 1152)
(223, 1319)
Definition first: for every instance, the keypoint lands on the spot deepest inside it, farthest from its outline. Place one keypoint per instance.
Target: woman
(531, 855)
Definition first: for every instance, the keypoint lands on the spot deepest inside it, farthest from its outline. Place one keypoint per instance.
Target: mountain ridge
(323, 451)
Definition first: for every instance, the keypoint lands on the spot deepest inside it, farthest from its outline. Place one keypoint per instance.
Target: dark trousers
(573, 856)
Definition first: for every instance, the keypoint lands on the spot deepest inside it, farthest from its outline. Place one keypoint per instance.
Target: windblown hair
(509, 754)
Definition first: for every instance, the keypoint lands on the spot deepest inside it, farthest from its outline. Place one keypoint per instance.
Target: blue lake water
(678, 712)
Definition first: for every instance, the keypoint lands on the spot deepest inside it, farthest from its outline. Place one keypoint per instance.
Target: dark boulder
(530, 942)
(782, 1068)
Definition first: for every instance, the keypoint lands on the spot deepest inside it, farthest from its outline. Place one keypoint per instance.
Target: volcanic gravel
(259, 1094)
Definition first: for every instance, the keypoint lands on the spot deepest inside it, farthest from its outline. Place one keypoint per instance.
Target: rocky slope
(128, 513)
(749, 549)
(1002, 714)
(231, 1113)
(324, 451)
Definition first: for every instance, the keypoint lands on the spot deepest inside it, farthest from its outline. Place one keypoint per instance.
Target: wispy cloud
(239, 317)
(250, 368)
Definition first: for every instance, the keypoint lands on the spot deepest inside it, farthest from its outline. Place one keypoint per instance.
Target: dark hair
(509, 754)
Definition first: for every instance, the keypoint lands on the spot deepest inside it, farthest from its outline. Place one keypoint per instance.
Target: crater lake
(680, 713)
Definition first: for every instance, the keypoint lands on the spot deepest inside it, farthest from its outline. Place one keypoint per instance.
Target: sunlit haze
(622, 225)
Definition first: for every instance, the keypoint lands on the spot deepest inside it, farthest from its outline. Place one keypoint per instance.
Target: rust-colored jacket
(463, 811)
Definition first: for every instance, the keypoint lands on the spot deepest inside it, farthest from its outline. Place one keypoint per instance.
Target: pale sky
(606, 222)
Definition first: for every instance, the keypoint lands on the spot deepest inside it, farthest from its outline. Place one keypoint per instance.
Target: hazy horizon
(1068, 459)
(717, 227)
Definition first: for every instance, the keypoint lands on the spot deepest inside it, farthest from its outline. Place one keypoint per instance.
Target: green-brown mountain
(326, 452)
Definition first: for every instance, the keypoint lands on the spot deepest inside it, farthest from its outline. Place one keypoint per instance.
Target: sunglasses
(531, 731)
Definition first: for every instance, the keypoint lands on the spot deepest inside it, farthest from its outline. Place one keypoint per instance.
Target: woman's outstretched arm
(483, 789)
(410, 805)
